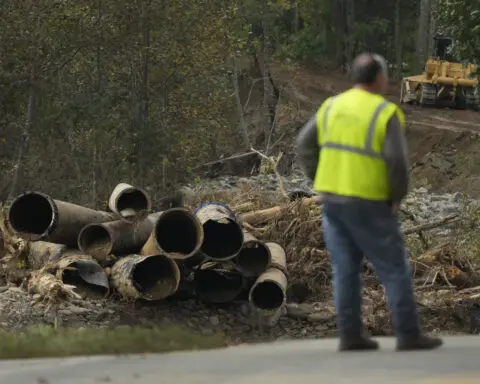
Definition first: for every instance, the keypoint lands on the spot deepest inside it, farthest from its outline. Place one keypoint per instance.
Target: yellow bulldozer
(445, 82)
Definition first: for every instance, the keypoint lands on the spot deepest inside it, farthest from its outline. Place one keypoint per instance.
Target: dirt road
(306, 362)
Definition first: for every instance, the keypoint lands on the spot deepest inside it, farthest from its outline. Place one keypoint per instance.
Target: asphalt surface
(292, 362)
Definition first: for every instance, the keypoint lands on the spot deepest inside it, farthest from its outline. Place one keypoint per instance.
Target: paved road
(302, 362)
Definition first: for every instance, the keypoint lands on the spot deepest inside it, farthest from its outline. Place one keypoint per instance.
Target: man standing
(355, 151)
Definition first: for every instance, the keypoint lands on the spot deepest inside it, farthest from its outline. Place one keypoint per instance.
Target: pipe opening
(31, 213)
(95, 240)
(222, 240)
(218, 286)
(178, 232)
(156, 275)
(88, 278)
(267, 295)
(135, 199)
(254, 258)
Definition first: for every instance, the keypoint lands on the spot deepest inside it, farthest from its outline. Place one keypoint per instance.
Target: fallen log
(432, 225)
(260, 216)
(36, 216)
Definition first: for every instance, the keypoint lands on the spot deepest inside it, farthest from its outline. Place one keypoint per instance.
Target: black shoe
(361, 343)
(421, 342)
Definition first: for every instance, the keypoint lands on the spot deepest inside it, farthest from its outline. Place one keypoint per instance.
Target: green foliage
(461, 20)
(45, 341)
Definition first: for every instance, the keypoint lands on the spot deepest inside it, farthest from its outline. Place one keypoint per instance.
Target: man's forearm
(395, 152)
(308, 149)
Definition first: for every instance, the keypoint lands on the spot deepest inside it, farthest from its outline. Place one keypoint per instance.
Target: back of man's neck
(365, 88)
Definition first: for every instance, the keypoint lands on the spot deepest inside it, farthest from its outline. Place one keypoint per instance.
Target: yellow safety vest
(351, 131)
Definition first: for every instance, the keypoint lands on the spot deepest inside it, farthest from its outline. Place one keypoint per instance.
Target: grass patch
(43, 341)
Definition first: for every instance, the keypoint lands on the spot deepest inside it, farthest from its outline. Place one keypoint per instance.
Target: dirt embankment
(444, 143)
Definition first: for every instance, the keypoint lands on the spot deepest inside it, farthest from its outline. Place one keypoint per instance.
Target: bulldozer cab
(443, 48)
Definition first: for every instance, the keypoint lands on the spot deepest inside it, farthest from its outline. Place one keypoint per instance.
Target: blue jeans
(358, 229)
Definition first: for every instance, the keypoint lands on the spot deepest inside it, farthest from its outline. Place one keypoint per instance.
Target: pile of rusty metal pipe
(148, 255)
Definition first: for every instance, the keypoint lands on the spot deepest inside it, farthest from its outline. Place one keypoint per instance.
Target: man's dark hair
(365, 68)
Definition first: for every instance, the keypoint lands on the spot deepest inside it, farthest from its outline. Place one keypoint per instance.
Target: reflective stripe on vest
(367, 150)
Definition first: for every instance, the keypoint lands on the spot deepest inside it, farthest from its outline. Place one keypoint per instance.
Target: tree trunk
(433, 26)
(398, 42)
(99, 93)
(340, 25)
(30, 121)
(344, 18)
(423, 32)
(296, 23)
(241, 115)
(266, 84)
(350, 19)
(143, 99)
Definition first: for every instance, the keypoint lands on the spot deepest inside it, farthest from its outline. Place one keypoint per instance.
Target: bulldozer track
(428, 94)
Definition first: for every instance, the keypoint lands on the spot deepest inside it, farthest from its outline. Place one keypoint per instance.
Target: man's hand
(395, 208)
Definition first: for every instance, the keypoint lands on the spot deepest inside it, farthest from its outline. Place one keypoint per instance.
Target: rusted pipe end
(217, 285)
(223, 235)
(156, 277)
(95, 240)
(129, 201)
(254, 258)
(178, 233)
(84, 273)
(153, 277)
(268, 294)
(33, 216)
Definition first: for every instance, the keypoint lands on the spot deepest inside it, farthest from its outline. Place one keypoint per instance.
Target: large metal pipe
(278, 256)
(254, 258)
(223, 235)
(268, 295)
(36, 216)
(177, 233)
(153, 277)
(130, 202)
(69, 265)
(218, 283)
(84, 273)
(41, 253)
(115, 237)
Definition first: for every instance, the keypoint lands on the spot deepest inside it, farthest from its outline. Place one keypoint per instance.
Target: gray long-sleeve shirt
(395, 154)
